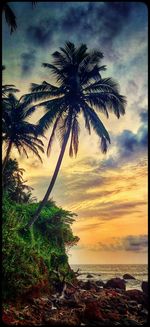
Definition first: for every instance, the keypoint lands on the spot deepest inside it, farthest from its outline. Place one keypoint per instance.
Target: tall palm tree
(81, 89)
(16, 130)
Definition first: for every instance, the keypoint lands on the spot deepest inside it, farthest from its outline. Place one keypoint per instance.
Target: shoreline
(82, 304)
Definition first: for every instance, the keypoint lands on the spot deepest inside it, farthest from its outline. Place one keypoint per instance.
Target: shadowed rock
(144, 287)
(89, 276)
(128, 276)
(116, 283)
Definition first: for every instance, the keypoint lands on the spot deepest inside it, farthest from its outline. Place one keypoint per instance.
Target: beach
(83, 303)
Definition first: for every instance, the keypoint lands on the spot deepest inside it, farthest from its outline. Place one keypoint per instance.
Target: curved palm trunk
(7, 156)
(45, 199)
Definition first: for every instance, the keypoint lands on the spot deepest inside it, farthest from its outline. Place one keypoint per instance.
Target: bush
(29, 259)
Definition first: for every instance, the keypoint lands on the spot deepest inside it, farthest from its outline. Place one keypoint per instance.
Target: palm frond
(103, 85)
(6, 89)
(71, 147)
(45, 87)
(32, 148)
(70, 48)
(45, 122)
(86, 118)
(98, 102)
(97, 126)
(10, 18)
(60, 60)
(81, 54)
(38, 96)
(64, 125)
(74, 137)
(52, 135)
(25, 152)
(91, 59)
(55, 71)
(87, 77)
(107, 101)
(32, 143)
(29, 111)
(103, 145)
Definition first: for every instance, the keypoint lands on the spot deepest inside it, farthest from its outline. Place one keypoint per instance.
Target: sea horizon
(107, 271)
(107, 264)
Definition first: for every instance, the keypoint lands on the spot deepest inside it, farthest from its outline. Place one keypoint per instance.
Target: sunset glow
(108, 192)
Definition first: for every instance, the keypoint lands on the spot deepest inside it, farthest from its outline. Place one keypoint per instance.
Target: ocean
(105, 272)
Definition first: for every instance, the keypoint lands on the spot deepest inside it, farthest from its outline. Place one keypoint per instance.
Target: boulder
(128, 276)
(136, 295)
(144, 287)
(89, 276)
(116, 283)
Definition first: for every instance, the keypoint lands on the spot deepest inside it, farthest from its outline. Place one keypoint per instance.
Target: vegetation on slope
(30, 260)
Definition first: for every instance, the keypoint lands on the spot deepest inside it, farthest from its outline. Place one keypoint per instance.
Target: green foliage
(29, 259)
(14, 184)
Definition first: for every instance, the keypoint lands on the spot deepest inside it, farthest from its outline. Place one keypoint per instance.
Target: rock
(92, 312)
(89, 285)
(99, 283)
(113, 316)
(62, 319)
(116, 283)
(128, 276)
(144, 287)
(136, 295)
(89, 276)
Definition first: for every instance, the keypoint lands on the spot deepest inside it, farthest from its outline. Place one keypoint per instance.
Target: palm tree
(81, 89)
(10, 15)
(16, 130)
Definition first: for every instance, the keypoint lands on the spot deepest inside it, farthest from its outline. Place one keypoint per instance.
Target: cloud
(104, 21)
(88, 227)
(144, 116)
(105, 211)
(132, 87)
(28, 60)
(93, 17)
(113, 18)
(132, 243)
(131, 144)
(41, 33)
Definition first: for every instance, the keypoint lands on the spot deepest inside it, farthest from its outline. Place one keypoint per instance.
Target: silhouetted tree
(16, 130)
(81, 89)
(14, 184)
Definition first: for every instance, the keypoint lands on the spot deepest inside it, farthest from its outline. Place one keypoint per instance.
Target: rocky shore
(82, 304)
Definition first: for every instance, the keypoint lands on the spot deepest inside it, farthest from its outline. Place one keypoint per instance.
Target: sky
(108, 192)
